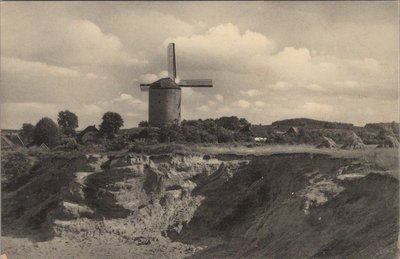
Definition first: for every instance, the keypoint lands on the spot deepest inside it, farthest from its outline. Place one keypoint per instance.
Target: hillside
(312, 124)
(206, 205)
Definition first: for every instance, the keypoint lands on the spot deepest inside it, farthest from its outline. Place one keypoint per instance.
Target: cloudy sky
(335, 61)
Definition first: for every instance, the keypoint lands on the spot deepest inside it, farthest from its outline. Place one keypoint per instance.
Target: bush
(171, 133)
(68, 122)
(163, 148)
(112, 122)
(14, 165)
(191, 134)
(27, 133)
(117, 144)
(143, 124)
(231, 123)
(46, 131)
(224, 135)
(207, 137)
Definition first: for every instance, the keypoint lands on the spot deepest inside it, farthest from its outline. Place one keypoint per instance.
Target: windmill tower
(165, 94)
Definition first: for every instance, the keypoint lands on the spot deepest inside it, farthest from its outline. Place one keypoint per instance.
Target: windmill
(165, 94)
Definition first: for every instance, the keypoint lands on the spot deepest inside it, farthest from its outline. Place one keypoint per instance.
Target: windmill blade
(145, 87)
(171, 61)
(196, 83)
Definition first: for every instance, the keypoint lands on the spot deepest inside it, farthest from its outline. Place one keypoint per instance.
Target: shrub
(231, 123)
(116, 144)
(171, 133)
(224, 135)
(46, 131)
(13, 165)
(27, 132)
(143, 124)
(207, 137)
(191, 134)
(68, 122)
(112, 122)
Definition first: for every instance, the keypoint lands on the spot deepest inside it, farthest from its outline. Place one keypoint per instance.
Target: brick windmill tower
(165, 94)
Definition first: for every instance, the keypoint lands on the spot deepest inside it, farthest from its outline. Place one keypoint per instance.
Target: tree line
(46, 131)
(224, 129)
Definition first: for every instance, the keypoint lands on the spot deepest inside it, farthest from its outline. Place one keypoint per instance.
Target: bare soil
(214, 204)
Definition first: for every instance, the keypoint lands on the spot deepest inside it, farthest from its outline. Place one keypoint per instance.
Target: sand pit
(175, 206)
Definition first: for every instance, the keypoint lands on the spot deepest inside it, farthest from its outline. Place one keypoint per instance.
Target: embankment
(271, 206)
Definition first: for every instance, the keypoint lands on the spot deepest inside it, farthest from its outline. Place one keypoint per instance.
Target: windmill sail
(196, 83)
(171, 61)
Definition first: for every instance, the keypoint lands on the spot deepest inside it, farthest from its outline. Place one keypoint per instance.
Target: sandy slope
(288, 205)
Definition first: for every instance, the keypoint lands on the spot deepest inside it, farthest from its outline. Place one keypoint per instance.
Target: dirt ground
(103, 246)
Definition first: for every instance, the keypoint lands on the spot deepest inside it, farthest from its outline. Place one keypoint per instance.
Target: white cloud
(125, 99)
(69, 41)
(222, 46)
(219, 97)
(91, 109)
(314, 87)
(26, 68)
(203, 108)
(315, 107)
(163, 74)
(242, 104)
(148, 78)
(250, 93)
(87, 59)
(259, 104)
(280, 85)
(94, 76)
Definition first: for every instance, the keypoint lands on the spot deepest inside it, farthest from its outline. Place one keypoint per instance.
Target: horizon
(330, 61)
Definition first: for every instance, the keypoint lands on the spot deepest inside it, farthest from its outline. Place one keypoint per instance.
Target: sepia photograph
(199, 129)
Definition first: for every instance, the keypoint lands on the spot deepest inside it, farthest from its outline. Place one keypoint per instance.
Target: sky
(334, 61)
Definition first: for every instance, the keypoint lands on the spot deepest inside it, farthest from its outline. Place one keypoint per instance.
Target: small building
(259, 133)
(44, 148)
(293, 131)
(90, 133)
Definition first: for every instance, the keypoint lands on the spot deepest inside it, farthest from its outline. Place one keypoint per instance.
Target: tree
(191, 134)
(224, 135)
(27, 132)
(112, 122)
(46, 131)
(143, 124)
(171, 133)
(231, 123)
(68, 122)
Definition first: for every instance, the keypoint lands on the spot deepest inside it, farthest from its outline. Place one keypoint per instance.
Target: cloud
(219, 97)
(314, 87)
(259, 104)
(316, 107)
(203, 108)
(348, 84)
(69, 41)
(148, 78)
(124, 99)
(91, 109)
(250, 93)
(24, 67)
(94, 76)
(242, 104)
(222, 47)
(280, 85)
(87, 62)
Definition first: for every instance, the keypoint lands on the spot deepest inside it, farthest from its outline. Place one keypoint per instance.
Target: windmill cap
(164, 83)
